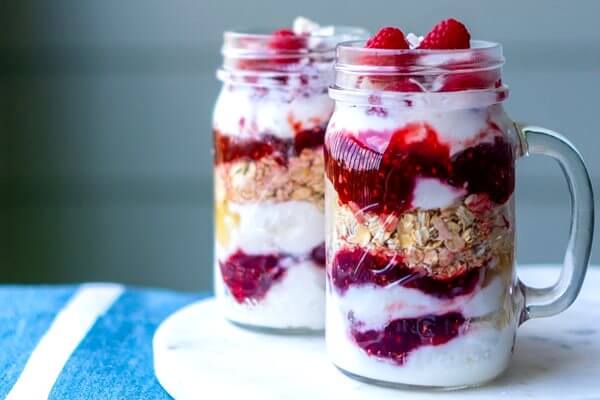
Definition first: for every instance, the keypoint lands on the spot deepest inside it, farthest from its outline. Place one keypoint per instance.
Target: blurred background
(105, 115)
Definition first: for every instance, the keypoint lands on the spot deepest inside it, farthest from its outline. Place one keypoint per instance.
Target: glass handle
(544, 302)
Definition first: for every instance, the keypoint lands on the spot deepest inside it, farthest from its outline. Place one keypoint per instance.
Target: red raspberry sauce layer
(384, 182)
(249, 277)
(401, 336)
(229, 148)
(357, 267)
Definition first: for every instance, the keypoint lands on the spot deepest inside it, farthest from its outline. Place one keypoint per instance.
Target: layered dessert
(269, 126)
(420, 225)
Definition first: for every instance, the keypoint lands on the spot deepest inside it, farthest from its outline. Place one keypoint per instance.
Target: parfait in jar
(419, 159)
(269, 125)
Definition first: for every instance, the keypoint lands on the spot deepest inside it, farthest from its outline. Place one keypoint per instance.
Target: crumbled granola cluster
(442, 242)
(268, 179)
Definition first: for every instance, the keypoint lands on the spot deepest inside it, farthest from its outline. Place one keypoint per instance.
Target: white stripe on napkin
(68, 329)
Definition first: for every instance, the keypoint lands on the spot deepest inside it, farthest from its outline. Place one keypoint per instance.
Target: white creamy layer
(478, 355)
(296, 301)
(414, 40)
(375, 306)
(431, 193)
(457, 128)
(248, 112)
(291, 227)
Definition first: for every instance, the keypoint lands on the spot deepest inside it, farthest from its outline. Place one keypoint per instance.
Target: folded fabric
(92, 341)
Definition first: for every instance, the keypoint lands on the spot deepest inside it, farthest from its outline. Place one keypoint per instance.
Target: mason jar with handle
(420, 223)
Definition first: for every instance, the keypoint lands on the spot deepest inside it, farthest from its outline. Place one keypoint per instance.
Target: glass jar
(269, 124)
(420, 223)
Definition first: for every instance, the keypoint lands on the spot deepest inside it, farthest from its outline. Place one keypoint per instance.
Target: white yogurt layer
(296, 301)
(249, 112)
(457, 128)
(375, 306)
(477, 355)
(430, 193)
(291, 227)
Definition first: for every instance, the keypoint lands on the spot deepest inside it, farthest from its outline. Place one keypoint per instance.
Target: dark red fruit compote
(419, 161)
(269, 127)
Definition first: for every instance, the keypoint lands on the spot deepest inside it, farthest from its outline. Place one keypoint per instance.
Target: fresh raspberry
(448, 34)
(388, 38)
(286, 39)
(288, 44)
(283, 32)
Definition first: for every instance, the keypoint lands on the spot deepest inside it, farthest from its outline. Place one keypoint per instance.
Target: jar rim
(476, 45)
(254, 43)
(420, 77)
(476, 98)
(250, 58)
(351, 57)
(265, 33)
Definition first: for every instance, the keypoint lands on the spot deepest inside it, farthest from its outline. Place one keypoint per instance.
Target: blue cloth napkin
(112, 358)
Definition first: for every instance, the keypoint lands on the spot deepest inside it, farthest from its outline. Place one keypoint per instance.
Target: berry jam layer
(266, 179)
(356, 267)
(249, 277)
(402, 336)
(232, 148)
(384, 181)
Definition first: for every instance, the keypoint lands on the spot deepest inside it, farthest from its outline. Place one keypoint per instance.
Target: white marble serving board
(198, 354)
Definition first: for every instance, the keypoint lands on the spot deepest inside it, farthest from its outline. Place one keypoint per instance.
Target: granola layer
(267, 179)
(443, 243)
